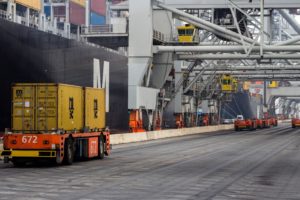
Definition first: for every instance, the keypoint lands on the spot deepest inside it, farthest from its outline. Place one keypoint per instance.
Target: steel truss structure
(259, 49)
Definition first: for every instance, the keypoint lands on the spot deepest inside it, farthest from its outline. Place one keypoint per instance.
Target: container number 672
(29, 139)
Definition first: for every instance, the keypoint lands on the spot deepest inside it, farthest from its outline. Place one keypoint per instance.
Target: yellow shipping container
(34, 4)
(47, 107)
(95, 108)
(23, 118)
(80, 2)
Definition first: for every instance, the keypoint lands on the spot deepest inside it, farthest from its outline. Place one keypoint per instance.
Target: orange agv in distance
(56, 122)
(241, 123)
(295, 122)
(245, 124)
(273, 121)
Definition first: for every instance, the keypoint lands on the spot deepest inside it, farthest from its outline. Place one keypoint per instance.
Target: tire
(18, 163)
(101, 149)
(68, 152)
(252, 127)
(293, 126)
(236, 128)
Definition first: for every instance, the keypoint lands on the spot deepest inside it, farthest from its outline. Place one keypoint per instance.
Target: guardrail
(3, 14)
(109, 29)
(113, 28)
(20, 18)
(169, 133)
(97, 29)
(159, 36)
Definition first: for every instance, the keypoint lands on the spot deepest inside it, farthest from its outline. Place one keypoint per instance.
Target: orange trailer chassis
(21, 148)
(266, 123)
(295, 123)
(245, 124)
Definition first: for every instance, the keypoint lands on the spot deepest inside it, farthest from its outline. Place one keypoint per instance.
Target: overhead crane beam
(288, 42)
(269, 77)
(260, 72)
(266, 79)
(293, 40)
(199, 22)
(290, 20)
(225, 48)
(218, 33)
(248, 68)
(207, 4)
(237, 56)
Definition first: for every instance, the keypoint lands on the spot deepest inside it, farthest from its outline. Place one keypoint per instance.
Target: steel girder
(223, 67)
(209, 4)
(225, 48)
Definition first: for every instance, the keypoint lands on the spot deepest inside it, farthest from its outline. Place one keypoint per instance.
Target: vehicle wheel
(236, 128)
(293, 126)
(101, 147)
(68, 152)
(18, 163)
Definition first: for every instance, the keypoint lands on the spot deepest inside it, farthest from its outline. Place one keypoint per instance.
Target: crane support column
(140, 96)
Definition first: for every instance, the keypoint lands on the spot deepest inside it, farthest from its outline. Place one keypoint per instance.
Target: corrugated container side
(99, 7)
(59, 11)
(70, 107)
(33, 4)
(79, 2)
(23, 108)
(97, 19)
(116, 1)
(95, 108)
(77, 14)
(47, 10)
(46, 107)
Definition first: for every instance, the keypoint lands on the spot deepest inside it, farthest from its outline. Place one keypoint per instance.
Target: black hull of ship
(29, 55)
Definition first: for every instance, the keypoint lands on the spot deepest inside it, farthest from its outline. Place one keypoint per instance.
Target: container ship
(243, 103)
(29, 55)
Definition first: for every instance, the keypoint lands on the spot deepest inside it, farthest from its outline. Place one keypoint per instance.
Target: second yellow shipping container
(94, 108)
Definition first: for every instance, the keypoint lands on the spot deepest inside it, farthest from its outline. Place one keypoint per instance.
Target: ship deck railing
(92, 29)
(3, 14)
(104, 29)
